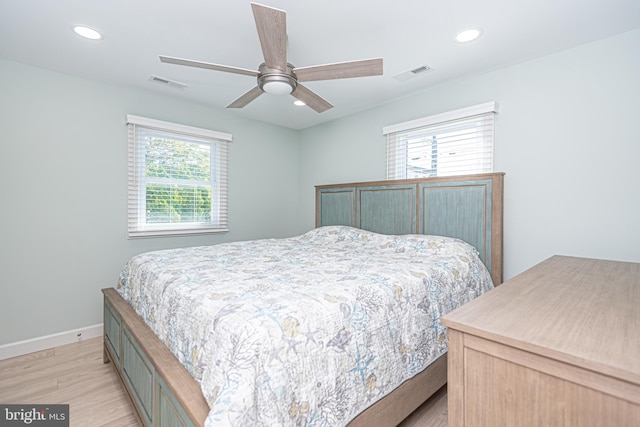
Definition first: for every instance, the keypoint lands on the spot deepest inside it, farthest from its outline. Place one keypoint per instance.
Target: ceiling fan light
(277, 87)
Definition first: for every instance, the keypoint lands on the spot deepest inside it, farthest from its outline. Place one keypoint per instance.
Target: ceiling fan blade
(272, 29)
(340, 70)
(314, 101)
(246, 98)
(208, 66)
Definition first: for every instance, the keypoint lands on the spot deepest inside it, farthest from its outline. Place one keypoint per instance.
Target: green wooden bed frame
(467, 207)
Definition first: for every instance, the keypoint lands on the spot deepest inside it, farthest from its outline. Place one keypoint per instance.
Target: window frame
(397, 139)
(139, 127)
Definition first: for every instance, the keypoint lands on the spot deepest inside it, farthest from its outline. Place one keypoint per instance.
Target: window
(459, 142)
(177, 179)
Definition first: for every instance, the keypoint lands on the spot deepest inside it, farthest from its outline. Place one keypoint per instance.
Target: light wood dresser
(558, 345)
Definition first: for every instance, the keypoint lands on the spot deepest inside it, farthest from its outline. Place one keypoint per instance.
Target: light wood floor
(74, 374)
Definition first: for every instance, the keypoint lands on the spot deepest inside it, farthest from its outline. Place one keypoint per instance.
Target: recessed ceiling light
(87, 33)
(299, 103)
(467, 35)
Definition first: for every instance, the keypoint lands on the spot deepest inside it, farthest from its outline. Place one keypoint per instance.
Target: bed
(337, 326)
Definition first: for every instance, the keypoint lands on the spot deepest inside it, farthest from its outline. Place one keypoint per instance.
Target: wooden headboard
(467, 207)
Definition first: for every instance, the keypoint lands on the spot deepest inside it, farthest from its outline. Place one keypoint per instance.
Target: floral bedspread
(308, 330)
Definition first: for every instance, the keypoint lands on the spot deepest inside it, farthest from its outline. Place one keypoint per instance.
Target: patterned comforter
(308, 330)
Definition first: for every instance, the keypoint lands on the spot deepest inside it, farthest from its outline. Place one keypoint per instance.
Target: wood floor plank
(76, 375)
(73, 374)
(432, 413)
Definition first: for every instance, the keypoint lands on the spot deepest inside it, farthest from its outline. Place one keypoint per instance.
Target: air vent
(420, 70)
(409, 74)
(167, 82)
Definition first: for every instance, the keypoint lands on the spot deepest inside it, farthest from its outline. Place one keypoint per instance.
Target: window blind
(177, 179)
(454, 143)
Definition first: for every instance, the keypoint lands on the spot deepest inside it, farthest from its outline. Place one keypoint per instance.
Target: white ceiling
(406, 33)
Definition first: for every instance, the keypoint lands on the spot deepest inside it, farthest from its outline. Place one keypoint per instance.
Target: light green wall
(566, 136)
(63, 157)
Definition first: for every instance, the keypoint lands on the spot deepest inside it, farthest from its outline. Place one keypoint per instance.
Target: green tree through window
(177, 179)
(172, 169)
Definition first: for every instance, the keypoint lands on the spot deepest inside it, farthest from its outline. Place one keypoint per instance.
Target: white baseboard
(49, 341)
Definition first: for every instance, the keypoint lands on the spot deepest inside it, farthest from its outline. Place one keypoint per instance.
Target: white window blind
(459, 142)
(177, 179)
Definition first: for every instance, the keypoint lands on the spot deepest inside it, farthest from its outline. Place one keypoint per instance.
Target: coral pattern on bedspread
(308, 330)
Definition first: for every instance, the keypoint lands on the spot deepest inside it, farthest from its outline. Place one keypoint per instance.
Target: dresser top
(585, 312)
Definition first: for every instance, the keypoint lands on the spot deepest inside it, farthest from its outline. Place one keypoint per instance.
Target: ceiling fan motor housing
(276, 81)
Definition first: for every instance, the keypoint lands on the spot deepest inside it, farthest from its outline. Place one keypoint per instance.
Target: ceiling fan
(275, 75)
